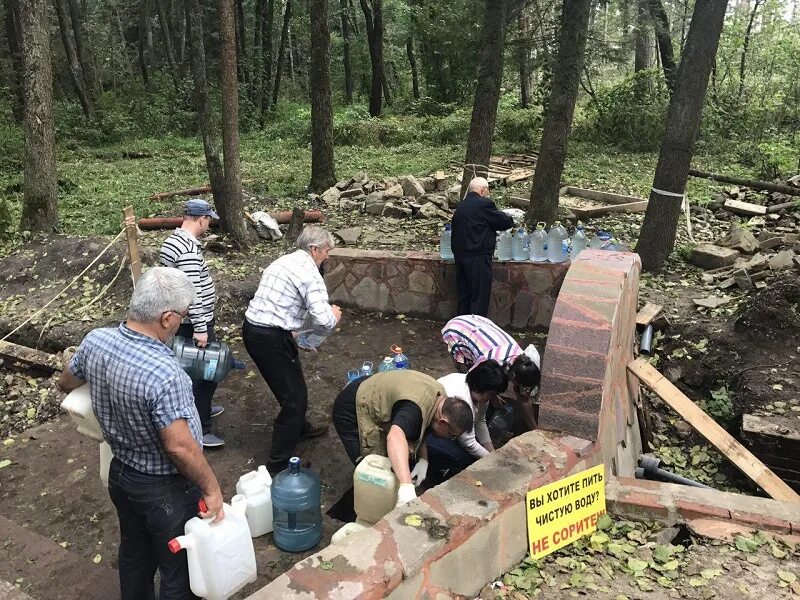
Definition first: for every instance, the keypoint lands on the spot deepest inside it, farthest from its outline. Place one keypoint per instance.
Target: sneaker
(312, 431)
(217, 410)
(212, 441)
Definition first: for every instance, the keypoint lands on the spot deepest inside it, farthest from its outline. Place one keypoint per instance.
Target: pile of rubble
(399, 198)
(776, 207)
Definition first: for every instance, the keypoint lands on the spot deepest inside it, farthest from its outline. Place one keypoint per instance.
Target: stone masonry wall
(421, 284)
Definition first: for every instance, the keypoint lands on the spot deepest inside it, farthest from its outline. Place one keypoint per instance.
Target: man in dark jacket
(476, 222)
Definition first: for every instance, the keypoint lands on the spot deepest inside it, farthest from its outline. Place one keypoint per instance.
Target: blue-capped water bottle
(445, 248)
(400, 359)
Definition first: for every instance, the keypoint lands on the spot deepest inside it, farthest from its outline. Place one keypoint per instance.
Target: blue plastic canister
(296, 512)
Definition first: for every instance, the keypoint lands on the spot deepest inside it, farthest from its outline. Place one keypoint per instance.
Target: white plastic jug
(375, 488)
(220, 555)
(78, 403)
(255, 488)
(346, 531)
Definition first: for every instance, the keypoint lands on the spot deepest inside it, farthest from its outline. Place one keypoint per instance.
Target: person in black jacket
(476, 222)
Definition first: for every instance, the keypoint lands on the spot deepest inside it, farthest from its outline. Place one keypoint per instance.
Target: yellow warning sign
(561, 512)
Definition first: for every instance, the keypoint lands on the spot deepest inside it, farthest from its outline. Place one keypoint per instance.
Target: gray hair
(313, 235)
(478, 183)
(160, 290)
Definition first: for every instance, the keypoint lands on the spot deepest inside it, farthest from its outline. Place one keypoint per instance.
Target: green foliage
(720, 405)
(520, 125)
(771, 159)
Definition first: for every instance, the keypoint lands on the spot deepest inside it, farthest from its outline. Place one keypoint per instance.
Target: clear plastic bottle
(386, 365)
(578, 243)
(555, 243)
(210, 363)
(504, 246)
(520, 245)
(445, 249)
(601, 240)
(296, 508)
(311, 335)
(538, 251)
(400, 359)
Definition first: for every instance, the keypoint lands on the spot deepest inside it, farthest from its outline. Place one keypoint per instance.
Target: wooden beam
(711, 430)
(745, 208)
(133, 243)
(596, 211)
(30, 356)
(649, 312)
(598, 196)
(751, 183)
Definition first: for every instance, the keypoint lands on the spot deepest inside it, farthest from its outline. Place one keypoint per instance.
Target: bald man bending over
(476, 222)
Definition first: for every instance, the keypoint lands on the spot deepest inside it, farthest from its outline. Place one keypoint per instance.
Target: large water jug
(520, 245)
(579, 242)
(374, 488)
(296, 512)
(504, 246)
(255, 488)
(400, 360)
(601, 240)
(78, 403)
(386, 365)
(445, 249)
(212, 363)
(539, 244)
(220, 555)
(311, 335)
(556, 252)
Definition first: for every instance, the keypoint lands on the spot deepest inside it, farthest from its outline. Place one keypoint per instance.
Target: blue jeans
(446, 458)
(152, 509)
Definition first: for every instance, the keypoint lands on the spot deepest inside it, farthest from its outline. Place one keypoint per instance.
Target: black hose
(650, 469)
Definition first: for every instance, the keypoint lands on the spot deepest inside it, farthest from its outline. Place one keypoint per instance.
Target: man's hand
(337, 312)
(200, 339)
(405, 494)
(213, 506)
(419, 472)
(66, 357)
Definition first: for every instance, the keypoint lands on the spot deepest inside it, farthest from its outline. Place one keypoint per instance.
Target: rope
(58, 295)
(684, 206)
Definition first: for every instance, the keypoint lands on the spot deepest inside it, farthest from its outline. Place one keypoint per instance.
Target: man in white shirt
(290, 289)
(477, 388)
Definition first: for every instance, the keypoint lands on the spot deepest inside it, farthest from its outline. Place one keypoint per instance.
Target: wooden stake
(133, 243)
(649, 312)
(710, 429)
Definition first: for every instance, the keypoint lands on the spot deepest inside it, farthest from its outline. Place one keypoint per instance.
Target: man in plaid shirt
(143, 401)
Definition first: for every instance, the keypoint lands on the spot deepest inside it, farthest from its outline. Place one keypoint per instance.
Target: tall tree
(40, 188)
(13, 37)
(560, 109)
(643, 58)
(78, 83)
(523, 60)
(205, 115)
(745, 45)
(322, 168)
(265, 90)
(231, 209)
(258, 29)
(373, 17)
(664, 39)
(487, 92)
(347, 61)
(145, 41)
(166, 38)
(287, 17)
(657, 235)
(241, 43)
(83, 47)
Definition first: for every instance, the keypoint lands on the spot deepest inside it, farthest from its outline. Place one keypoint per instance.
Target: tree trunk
(241, 44)
(205, 116)
(344, 15)
(83, 47)
(166, 37)
(40, 187)
(373, 19)
(145, 41)
(78, 83)
(657, 235)
(180, 43)
(523, 60)
(322, 169)
(13, 37)
(265, 92)
(643, 58)
(560, 108)
(231, 209)
(487, 92)
(412, 61)
(661, 26)
(258, 27)
(287, 17)
(745, 45)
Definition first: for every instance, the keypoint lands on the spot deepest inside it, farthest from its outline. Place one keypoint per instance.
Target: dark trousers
(275, 353)
(152, 509)
(344, 419)
(203, 390)
(474, 283)
(446, 458)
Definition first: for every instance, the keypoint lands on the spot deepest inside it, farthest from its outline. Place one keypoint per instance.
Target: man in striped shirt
(291, 288)
(473, 339)
(181, 250)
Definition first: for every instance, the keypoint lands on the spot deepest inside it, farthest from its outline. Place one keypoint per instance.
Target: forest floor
(46, 467)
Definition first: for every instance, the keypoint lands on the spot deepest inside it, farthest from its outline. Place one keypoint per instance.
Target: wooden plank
(132, 234)
(649, 312)
(30, 356)
(598, 196)
(745, 208)
(596, 211)
(709, 429)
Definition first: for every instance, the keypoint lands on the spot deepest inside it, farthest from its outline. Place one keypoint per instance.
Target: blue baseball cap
(197, 207)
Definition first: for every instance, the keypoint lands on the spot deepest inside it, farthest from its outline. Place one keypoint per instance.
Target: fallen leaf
(413, 521)
(4, 463)
(787, 576)
(97, 558)
(326, 565)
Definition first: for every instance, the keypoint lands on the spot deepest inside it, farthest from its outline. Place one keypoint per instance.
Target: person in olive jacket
(476, 222)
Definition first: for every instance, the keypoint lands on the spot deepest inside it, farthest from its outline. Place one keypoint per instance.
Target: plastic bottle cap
(202, 506)
(396, 349)
(174, 545)
(294, 461)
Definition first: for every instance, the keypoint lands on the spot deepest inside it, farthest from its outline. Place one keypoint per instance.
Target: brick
(581, 447)
(761, 521)
(696, 510)
(709, 256)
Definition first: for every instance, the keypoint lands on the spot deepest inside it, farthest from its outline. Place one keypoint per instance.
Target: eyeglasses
(181, 315)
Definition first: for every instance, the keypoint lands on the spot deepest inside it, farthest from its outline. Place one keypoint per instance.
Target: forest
(628, 95)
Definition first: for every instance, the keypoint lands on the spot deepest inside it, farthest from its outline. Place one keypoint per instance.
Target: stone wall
(421, 284)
